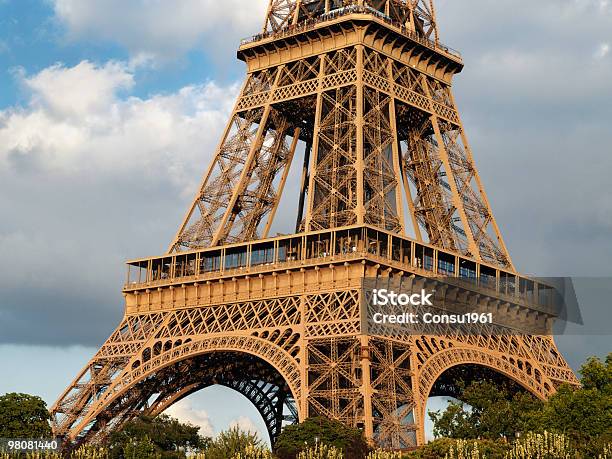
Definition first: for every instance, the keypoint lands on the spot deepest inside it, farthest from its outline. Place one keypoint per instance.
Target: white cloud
(551, 60)
(602, 51)
(76, 122)
(246, 424)
(158, 28)
(82, 90)
(601, 5)
(185, 412)
(76, 161)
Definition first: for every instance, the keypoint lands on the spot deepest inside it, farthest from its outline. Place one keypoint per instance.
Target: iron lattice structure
(362, 90)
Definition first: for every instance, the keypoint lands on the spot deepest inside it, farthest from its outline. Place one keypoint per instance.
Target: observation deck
(342, 21)
(339, 247)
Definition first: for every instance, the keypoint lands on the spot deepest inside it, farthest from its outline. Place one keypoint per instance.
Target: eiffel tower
(357, 92)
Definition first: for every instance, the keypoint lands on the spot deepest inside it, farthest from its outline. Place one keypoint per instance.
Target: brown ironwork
(361, 89)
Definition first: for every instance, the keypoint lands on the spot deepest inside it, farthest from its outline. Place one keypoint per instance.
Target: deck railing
(311, 24)
(334, 246)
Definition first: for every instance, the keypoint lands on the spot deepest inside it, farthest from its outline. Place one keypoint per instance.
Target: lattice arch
(455, 356)
(245, 374)
(138, 371)
(360, 92)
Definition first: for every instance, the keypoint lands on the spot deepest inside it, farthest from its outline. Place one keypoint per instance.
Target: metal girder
(370, 98)
(300, 354)
(418, 15)
(366, 106)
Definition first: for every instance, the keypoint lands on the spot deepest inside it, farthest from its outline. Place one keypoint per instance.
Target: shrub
(254, 452)
(329, 432)
(90, 452)
(84, 452)
(321, 451)
(169, 437)
(231, 443)
(542, 446)
(140, 449)
(464, 449)
(442, 447)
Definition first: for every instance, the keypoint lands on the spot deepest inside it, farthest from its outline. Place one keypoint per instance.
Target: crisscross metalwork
(360, 92)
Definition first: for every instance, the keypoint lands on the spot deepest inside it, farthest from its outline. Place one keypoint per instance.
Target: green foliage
(84, 452)
(584, 415)
(321, 451)
(232, 442)
(142, 448)
(90, 452)
(487, 411)
(294, 438)
(597, 374)
(169, 437)
(542, 446)
(254, 452)
(24, 416)
(446, 447)
(464, 449)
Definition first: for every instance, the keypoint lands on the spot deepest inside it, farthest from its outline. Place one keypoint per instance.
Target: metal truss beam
(365, 87)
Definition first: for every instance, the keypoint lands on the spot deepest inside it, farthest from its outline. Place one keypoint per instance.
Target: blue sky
(36, 36)
(110, 111)
(33, 37)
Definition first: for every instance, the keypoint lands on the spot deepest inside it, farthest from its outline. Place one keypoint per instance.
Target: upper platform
(338, 246)
(345, 26)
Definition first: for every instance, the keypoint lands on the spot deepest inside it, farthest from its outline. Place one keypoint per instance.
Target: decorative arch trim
(449, 358)
(269, 352)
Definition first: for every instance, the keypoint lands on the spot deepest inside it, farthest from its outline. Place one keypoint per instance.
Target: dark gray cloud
(536, 101)
(64, 248)
(84, 189)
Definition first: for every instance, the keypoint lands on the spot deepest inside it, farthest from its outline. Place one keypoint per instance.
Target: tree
(141, 449)
(487, 410)
(24, 416)
(597, 374)
(321, 430)
(169, 437)
(232, 442)
(583, 414)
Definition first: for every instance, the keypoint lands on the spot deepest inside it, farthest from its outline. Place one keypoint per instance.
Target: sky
(110, 111)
